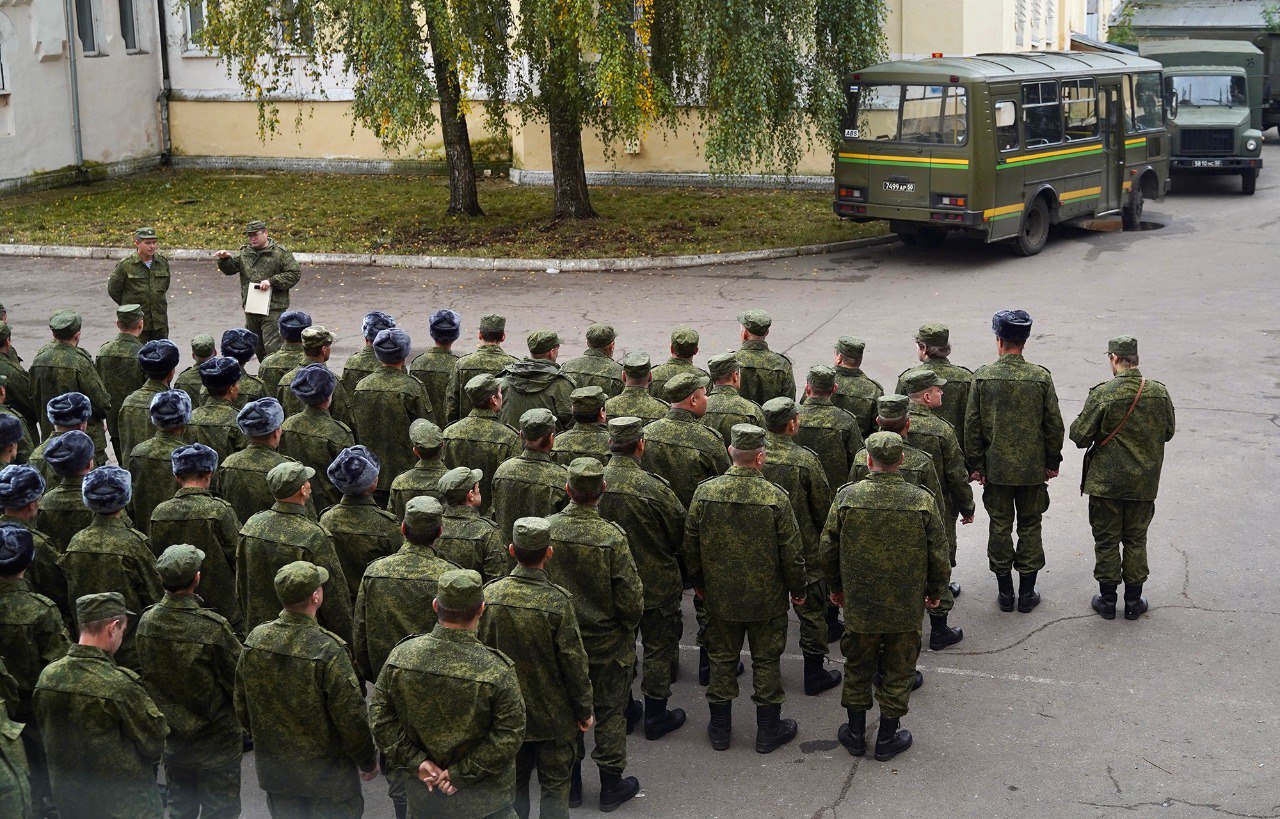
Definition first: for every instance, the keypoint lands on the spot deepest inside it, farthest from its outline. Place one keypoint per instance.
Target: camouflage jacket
(917, 469)
(434, 369)
(151, 467)
(359, 364)
(935, 437)
(272, 262)
(133, 282)
(532, 622)
(61, 368)
(1013, 426)
(18, 392)
(856, 393)
(583, 441)
(251, 389)
(117, 366)
(15, 769)
(725, 407)
(134, 420)
(103, 737)
(62, 512)
(488, 358)
(384, 405)
(472, 541)
(653, 519)
(447, 697)
(635, 402)
(26, 446)
(339, 408)
(765, 374)
(528, 484)
(271, 369)
(955, 393)
(189, 382)
(834, 434)
(314, 438)
(480, 441)
(35, 456)
(32, 635)
(44, 574)
(594, 369)
(799, 472)
(423, 478)
(297, 693)
(189, 657)
(1128, 467)
(202, 519)
(535, 382)
(213, 424)
(663, 373)
(361, 533)
(683, 452)
(742, 547)
(394, 602)
(884, 546)
(242, 480)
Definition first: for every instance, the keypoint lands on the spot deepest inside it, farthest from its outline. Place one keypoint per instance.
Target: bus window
(1148, 112)
(1041, 114)
(1127, 90)
(1006, 116)
(934, 114)
(1080, 109)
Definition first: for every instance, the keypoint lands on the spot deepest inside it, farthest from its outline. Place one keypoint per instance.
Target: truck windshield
(1206, 91)
(929, 114)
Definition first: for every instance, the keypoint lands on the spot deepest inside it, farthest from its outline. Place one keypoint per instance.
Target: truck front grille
(1207, 141)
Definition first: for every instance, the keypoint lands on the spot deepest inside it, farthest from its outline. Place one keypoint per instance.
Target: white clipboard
(258, 302)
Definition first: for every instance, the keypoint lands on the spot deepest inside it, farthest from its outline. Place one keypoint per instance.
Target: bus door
(1113, 177)
(1004, 216)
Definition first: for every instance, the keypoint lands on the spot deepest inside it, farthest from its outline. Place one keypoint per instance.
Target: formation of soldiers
(484, 540)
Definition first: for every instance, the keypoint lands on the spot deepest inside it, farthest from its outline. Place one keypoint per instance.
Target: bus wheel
(909, 239)
(1035, 229)
(931, 238)
(1248, 181)
(1131, 214)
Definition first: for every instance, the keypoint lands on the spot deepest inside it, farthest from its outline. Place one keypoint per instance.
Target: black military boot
(835, 626)
(890, 741)
(401, 808)
(816, 678)
(704, 667)
(616, 789)
(575, 786)
(942, 635)
(658, 721)
(1104, 603)
(720, 729)
(634, 713)
(1004, 580)
(772, 732)
(853, 734)
(1028, 597)
(955, 588)
(1134, 603)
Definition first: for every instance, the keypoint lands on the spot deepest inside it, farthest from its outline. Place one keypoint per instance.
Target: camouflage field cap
(129, 313)
(934, 335)
(850, 346)
(457, 482)
(919, 380)
(177, 565)
(537, 423)
(637, 364)
(531, 534)
(885, 447)
(588, 399)
(202, 345)
(493, 323)
(1123, 345)
(482, 388)
(285, 480)
(11, 430)
(94, 607)
(315, 337)
(586, 475)
(145, 233)
(600, 335)
(254, 226)
(65, 323)
(423, 514)
(778, 411)
(626, 429)
(6, 332)
(683, 385)
(425, 434)
(891, 407)
(722, 365)
(685, 339)
(822, 378)
(746, 437)
(542, 341)
(460, 589)
(298, 580)
(756, 322)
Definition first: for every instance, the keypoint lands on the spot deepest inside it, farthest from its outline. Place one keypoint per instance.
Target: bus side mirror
(1171, 107)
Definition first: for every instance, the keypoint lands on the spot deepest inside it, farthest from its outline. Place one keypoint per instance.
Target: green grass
(405, 214)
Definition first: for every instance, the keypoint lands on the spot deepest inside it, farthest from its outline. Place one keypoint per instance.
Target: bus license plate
(900, 187)
(1206, 163)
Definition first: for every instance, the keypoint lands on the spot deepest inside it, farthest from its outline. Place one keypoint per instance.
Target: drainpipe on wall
(166, 89)
(69, 16)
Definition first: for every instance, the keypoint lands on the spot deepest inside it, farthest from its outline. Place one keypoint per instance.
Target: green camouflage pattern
(61, 368)
(423, 478)
(488, 358)
(799, 472)
(636, 402)
(384, 405)
(765, 374)
(213, 424)
(955, 393)
(133, 423)
(359, 364)
(272, 368)
(528, 485)
(242, 480)
(832, 433)
(251, 389)
(1128, 467)
(314, 438)
(26, 447)
(1013, 427)
(361, 533)
(132, 282)
(45, 575)
(17, 797)
(532, 383)
(937, 439)
(553, 761)
(273, 262)
(683, 452)
(660, 633)
(434, 370)
(151, 468)
(653, 518)
(394, 602)
(583, 441)
(211, 793)
(117, 366)
(917, 469)
(189, 382)
(1026, 505)
(663, 373)
(725, 407)
(340, 402)
(19, 393)
(1120, 539)
(480, 441)
(766, 638)
(202, 519)
(471, 541)
(32, 635)
(856, 393)
(594, 369)
(35, 457)
(62, 512)
(893, 655)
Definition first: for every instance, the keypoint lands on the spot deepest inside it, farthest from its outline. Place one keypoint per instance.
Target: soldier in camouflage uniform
(677, 447)
(283, 534)
(298, 695)
(213, 423)
(151, 462)
(65, 412)
(588, 438)
(103, 734)
(1013, 443)
(834, 434)
(481, 441)
(885, 554)
(488, 359)
(536, 381)
(189, 656)
(63, 366)
(317, 346)
(118, 370)
(1127, 431)
(435, 367)
(469, 540)
(12, 432)
(157, 360)
(933, 345)
(635, 400)
(743, 553)
(142, 278)
(62, 510)
(312, 437)
(764, 373)
(19, 393)
(530, 484)
(893, 415)
(684, 346)
(242, 345)
(385, 405)
(361, 531)
(596, 367)
(16, 789)
(202, 349)
(242, 477)
(362, 362)
(725, 407)
(447, 711)
(23, 445)
(856, 392)
(423, 478)
(20, 490)
(272, 368)
(261, 262)
(532, 622)
(197, 517)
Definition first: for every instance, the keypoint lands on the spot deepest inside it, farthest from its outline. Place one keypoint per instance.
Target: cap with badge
(586, 475)
(101, 606)
(193, 459)
(756, 322)
(65, 323)
(625, 429)
(778, 412)
(315, 338)
(423, 514)
(637, 364)
(746, 437)
(493, 323)
(354, 470)
(299, 580)
(170, 409)
(425, 434)
(258, 419)
(145, 233)
(69, 453)
(392, 346)
(219, 373)
(1011, 325)
(445, 326)
(240, 344)
(457, 482)
(885, 447)
(822, 378)
(178, 564)
(537, 423)
(375, 322)
(285, 480)
(129, 314)
(11, 430)
(292, 323)
(481, 388)
(314, 384)
(588, 399)
(934, 335)
(722, 365)
(682, 385)
(542, 342)
(160, 357)
(892, 407)
(106, 490)
(1123, 345)
(254, 226)
(202, 345)
(600, 336)
(919, 380)
(17, 549)
(460, 590)
(850, 346)
(531, 534)
(71, 409)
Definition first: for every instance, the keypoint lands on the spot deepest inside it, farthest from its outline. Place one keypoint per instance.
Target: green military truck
(1216, 87)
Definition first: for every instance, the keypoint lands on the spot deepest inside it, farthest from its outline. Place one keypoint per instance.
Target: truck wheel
(1131, 214)
(1035, 229)
(1248, 181)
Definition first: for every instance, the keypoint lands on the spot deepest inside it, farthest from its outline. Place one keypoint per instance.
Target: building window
(85, 27)
(195, 23)
(128, 26)
(297, 28)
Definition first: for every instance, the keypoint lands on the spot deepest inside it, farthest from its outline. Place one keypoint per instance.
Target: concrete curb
(472, 263)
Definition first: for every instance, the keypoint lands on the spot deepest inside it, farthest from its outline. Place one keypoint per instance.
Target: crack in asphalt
(1275, 810)
(1114, 782)
(812, 332)
(1024, 637)
(830, 810)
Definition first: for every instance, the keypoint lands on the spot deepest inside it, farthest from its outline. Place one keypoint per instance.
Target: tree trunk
(463, 199)
(568, 172)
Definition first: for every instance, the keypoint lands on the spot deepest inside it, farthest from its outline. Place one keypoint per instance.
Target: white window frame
(189, 45)
(95, 20)
(4, 70)
(139, 44)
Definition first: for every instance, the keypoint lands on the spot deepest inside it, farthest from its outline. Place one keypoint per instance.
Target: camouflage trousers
(948, 601)
(813, 619)
(553, 760)
(288, 806)
(611, 691)
(660, 632)
(154, 333)
(1120, 539)
(767, 639)
(267, 328)
(893, 656)
(37, 762)
(209, 793)
(1026, 504)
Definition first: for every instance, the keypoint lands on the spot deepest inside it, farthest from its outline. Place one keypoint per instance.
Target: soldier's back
(765, 374)
(725, 407)
(242, 479)
(272, 368)
(594, 369)
(199, 518)
(663, 373)
(32, 635)
(470, 540)
(635, 402)
(684, 452)
(1013, 426)
(594, 563)
(649, 512)
(151, 467)
(62, 512)
(384, 405)
(314, 438)
(529, 484)
(434, 369)
(487, 359)
(423, 478)
(480, 441)
(213, 424)
(134, 421)
(834, 434)
(1129, 466)
(394, 602)
(361, 534)
(583, 441)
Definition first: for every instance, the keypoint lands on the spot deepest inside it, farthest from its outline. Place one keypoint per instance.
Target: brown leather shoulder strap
(1125, 419)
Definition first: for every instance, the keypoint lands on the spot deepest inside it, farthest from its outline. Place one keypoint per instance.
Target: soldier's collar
(529, 573)
(592, 351)
(192, 490)
(293, 618)
(90, 653)
(624, 461)
(885, 476)
(682, 414)
(535, 455)
(581, 510)
(357, 500)
(755, 344)
(289, 508)
(744, 470)
(12, 584)
(180, 601)
(849, 370)
(818, 400)
(456, 635)
(483, 413)
(425, 464)
(721, 389)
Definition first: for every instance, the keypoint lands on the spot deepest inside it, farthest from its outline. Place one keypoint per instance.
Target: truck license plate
(900, 187)
(1206, 163)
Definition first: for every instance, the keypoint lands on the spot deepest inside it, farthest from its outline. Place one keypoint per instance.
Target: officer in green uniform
(1125, 422)
(537, 382)
(118, 370)
(317, 345)
(596, 367)
(21, 488)
(263, 264)
(423, 478)
(588, 438)
(66, 412)
(725, 407)
(110, 555)
(1013, 444)
(434, 368)
(469, 539)
(684, 346)
(933, 345)
(885, 553)
(282, 534)
(764, 373)
(202, 349)
(636, 399)
(189, 655)
(103, 734)
(800, 473)
(386, 403)
(242, 478)
(530, 484)
(142, 278)
(157, 360)
(213, 423)
(18, 390)
(151, 462)
(855, 390)
(63, 366)
(298, 695)
(677, 447)
(62, 510)
(197, 517)
(481, 440)
(271, 368)
(361, 531)
(532, 621)
(312, 437)
(242, 345)
(743, 553)
(363, 362)
(834, 434)
(488, 359)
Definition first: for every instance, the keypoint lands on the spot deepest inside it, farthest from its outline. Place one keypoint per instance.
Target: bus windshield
(1207, 91)
(928, 114)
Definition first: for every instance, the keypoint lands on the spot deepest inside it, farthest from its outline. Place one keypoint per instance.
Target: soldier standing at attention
(62, 367)
(933, 345)
(893, 415)
(363, 362)
(158, 360)
(271, 368)
(118, 370)
(855, 390)
(62, 510)
(298, 695)
(536, 381)
(596, 367)
(531, 621)
(242, 345)
(361, 531)
(104, 735)
(1013, 443)
(242, 478)
(468, 539)
(434, 368)
(481, 441)
(151, 462)
(317, 344)
(885, 554)
(385, 404)
(764, 374)
(189, 656)
(635, 400)
(684, 346)
(1125, 423)
(68, 412)
(530, 484)
(423, 478)
(588, 438)
(214, 423)
(17, 380)
(312, 437)
(677, 447)
(21, 488)
(488, 359)
(142, 278)
(12, 433)
(266, 265)
(834, 434)
(202, 349)
(23, 445)
(725, 407)
(744, 553)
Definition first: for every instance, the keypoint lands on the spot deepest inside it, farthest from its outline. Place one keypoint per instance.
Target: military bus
(1001, 146)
